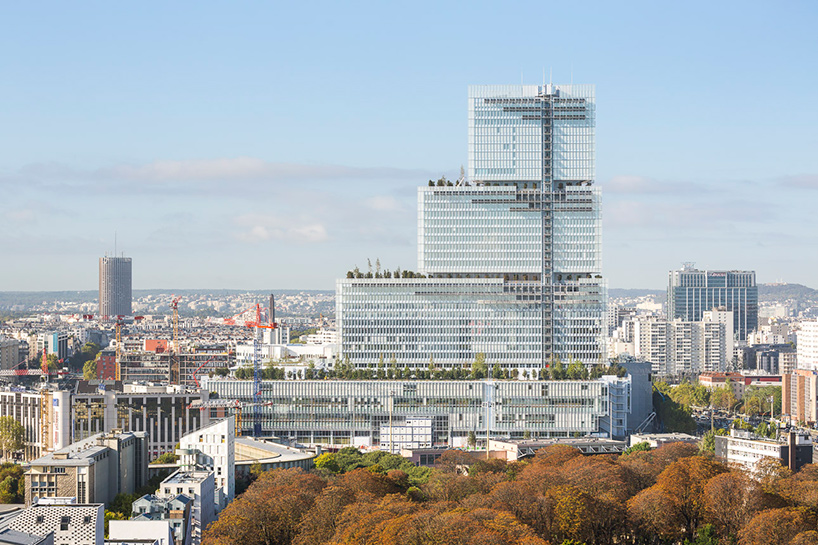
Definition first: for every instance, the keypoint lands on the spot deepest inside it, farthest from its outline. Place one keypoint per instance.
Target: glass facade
(511, 257)
(445, 320)
(356, 412)
(692, 292)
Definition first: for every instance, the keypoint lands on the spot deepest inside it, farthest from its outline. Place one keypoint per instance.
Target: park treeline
(671, 495)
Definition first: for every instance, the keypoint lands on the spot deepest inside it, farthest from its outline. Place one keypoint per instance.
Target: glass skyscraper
(691, 292)
(510, 258)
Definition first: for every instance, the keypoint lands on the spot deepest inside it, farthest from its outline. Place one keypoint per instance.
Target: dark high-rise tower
(115, 286)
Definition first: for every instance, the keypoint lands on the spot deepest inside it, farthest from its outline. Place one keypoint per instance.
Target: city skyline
(277, 143)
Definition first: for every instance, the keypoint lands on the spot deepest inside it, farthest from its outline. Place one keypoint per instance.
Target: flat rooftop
(256, 450)
(187, 477)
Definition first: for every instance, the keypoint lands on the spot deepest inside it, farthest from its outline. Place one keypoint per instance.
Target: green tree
(12, 436)
(479, 368)
(577, 371)
(644, 446)
(327, 461)
(673, 416)
(166, 458)
(471, 440)
(89, 369)
(112, 515)
(557, 371)
(12, 483)
(708, 443)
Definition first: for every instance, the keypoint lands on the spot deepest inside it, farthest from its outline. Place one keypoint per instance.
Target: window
(86, 519)
(64, 522)
(40, 519)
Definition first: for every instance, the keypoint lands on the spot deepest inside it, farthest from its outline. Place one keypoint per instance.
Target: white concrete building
(126, 532)
(675, 347)
(71, 523)
(213, 448)
(199, 486)
(411, 433)
(808, 346)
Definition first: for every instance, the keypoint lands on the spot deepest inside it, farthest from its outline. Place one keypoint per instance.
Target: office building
(357, 413)
(509, 260)
(692, 292)
(93, 471)
(163, 412)
(213, 448)
(25, 406)
(115, 295)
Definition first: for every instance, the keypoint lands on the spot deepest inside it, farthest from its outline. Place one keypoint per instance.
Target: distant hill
(782, 292)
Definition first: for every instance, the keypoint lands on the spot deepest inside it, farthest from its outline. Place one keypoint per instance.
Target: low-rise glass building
(357, 413)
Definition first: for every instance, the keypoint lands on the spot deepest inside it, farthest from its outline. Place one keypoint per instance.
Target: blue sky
(262, 145)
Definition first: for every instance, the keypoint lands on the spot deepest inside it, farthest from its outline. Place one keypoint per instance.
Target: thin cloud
(686, 216)
(259, 228)
(247, 168)
(206, 174)
(802, 181)
(643, 185)
(384, 203)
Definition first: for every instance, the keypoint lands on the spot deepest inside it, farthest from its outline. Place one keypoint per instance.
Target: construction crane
(237, 406)
(259, 320)
(196, 372)
(119, 322)
(45, 417)
(175, 377)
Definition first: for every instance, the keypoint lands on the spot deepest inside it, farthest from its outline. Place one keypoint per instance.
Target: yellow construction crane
(227, 404)
(175, 373)
(45, 404)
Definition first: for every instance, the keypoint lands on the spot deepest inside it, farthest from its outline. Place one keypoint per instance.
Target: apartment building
(93, 470)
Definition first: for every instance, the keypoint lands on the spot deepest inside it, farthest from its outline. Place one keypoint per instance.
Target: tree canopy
(671, 495)
(12, 436)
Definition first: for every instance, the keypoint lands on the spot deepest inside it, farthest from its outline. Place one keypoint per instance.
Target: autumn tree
(730, 500)
(269, 512)
(776, 526)
(678, 495)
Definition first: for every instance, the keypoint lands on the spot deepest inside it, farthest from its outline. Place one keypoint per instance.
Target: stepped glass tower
(509, 259)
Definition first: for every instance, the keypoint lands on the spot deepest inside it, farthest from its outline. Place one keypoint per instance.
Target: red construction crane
(196, 372)
(258, 320)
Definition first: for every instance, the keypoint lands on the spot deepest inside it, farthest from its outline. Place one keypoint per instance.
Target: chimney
(792, 444)
(272, 309)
